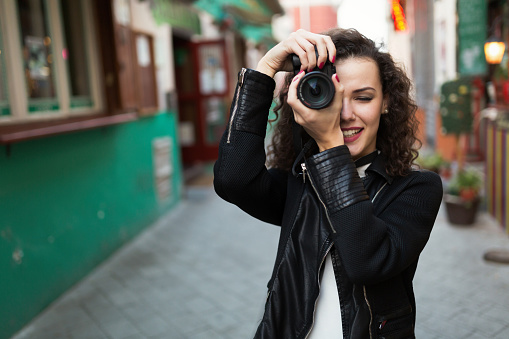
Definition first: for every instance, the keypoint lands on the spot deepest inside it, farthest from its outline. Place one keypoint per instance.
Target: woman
(354, 216)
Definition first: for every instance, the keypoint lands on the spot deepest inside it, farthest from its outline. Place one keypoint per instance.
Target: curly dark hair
(396, 137)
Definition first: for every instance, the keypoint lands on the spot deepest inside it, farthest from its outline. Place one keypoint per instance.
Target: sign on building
(472, 18)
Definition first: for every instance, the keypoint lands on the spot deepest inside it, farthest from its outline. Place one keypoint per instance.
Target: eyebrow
(364, 89)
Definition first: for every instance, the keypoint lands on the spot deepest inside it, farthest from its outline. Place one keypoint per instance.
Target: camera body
(316, 89)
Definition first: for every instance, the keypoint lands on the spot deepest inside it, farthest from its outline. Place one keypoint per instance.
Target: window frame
(22, 125)
(4, 104)
(19, 98)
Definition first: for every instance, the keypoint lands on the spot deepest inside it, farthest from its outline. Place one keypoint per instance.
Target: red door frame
(201, 151)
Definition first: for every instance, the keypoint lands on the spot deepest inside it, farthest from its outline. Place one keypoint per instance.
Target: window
(68, 65)
(74, 54)
(4, 95)
(38, 56)
(52, 67)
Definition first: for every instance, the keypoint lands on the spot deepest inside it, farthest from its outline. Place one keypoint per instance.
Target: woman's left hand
(322, 125)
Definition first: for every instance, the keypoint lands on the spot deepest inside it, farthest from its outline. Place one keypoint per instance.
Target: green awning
(251, 18)
(252, 11)
(258, 34)
(176, 14)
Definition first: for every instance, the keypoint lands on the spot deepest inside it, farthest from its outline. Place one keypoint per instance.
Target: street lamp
(494, 47)
(494, 50)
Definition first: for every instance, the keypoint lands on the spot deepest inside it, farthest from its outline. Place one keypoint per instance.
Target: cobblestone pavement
(201, 271)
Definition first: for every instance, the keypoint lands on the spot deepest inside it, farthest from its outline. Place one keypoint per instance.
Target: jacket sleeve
(373, 247)
(240, 175)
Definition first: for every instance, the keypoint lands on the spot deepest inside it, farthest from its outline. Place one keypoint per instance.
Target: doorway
(201, 75)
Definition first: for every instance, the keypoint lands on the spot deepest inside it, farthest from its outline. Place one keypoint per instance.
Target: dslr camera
(316, 89)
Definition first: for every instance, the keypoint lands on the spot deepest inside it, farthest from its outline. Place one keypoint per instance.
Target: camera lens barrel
(316, 90)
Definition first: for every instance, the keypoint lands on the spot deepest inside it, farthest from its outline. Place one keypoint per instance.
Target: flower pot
(460, 212)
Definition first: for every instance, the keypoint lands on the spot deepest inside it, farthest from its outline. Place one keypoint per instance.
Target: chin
(353, 151)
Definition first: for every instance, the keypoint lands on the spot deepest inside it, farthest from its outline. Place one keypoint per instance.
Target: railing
(497, 165)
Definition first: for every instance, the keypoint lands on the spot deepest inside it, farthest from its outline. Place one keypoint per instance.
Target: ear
(385, 105)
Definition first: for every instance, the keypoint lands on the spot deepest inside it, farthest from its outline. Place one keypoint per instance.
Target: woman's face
(363, 103)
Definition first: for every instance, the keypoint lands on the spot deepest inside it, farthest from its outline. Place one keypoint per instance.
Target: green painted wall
(67, 202)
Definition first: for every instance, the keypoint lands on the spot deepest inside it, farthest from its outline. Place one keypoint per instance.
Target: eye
(367, 99)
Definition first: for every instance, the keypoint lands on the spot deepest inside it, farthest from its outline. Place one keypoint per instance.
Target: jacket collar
(378, 167)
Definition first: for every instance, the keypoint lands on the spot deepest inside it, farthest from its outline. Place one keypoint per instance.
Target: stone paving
(201, 271)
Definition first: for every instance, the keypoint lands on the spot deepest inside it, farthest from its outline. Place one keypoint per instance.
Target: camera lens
(316, 90)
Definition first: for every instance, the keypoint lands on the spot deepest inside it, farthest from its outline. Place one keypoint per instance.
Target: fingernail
(321, 65)
(337, 78)
(333, 58)
(297, 76)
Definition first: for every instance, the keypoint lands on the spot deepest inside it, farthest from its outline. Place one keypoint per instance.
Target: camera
(316, 89)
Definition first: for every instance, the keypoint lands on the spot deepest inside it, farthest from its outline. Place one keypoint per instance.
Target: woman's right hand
(303, 44)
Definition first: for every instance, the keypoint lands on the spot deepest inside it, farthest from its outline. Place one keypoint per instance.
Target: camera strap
(297, 137)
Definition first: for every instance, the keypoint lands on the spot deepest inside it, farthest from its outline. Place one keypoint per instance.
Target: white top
(328, 322)
(362, 170)
(327, 312)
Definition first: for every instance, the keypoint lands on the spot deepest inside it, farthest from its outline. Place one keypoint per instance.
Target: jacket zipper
(304, 170)
(316, 300)
(304, 173)
(370, 311)
(364, 287)
(241, 82)
(396, 314)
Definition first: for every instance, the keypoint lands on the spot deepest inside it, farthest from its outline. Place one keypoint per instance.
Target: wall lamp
(494, 47)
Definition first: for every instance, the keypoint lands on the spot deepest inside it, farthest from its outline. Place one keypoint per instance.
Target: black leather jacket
(374, 230)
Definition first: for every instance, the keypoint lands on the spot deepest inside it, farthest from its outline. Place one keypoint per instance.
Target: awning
(258, 34)
(177, 14)
(251, 11)
(251, 18)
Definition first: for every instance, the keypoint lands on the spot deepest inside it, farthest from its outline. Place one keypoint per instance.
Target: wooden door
(145, 73)
(202, 86)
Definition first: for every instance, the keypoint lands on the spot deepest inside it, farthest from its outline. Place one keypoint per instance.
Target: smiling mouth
(351, 132)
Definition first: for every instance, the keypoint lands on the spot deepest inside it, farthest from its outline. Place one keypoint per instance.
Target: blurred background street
(111, 113)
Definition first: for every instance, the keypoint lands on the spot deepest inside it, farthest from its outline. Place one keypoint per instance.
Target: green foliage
(431, 161)
(501, 71)
(466, 184)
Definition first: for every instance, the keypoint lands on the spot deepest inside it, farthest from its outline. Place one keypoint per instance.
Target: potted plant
(434, 162)
(462, 196)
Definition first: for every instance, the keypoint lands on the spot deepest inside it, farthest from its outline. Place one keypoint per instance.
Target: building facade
(100, 102)
(89, 149)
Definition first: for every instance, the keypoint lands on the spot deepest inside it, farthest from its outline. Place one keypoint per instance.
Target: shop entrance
(202, 89)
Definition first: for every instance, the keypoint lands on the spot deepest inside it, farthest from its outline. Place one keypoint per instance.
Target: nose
(347, 112)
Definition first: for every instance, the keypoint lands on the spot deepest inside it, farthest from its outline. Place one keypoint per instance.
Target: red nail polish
(337, 78)
(333, 59)
(297, 76)
(321, 65)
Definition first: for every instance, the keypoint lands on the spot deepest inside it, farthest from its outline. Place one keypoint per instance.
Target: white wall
(209, 30)
(445, 41)
(373, 23)
(370, 17)
(373, 19)
(283, 25)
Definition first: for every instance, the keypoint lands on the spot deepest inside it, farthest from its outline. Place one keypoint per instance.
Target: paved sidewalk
(201, 271)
